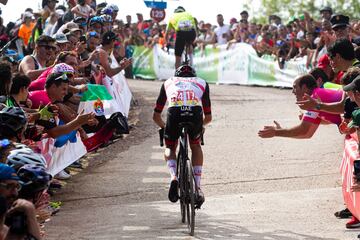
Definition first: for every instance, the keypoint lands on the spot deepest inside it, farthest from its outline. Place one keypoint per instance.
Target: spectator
(326, 13)
(340, 25)
(222, 32)
(306, 85)
(33, 65)
(244, 15)
(26, 28)
(9, 189)
(342, 55)
(5, 79)
(83, 9)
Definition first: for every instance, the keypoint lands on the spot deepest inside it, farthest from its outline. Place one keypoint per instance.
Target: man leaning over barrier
(311, 120)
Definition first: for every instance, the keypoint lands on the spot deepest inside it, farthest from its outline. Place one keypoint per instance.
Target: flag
(98, 100)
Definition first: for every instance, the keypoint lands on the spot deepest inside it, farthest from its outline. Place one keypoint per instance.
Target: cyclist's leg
(196, 151)
(171, 135)
(190, 47)
(197, 159)
(179, 48)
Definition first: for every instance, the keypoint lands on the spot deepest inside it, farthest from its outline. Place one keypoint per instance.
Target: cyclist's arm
(206, 103)
(160, 104)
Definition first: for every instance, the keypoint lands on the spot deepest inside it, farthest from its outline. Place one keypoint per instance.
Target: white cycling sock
(172, 167)
(197, 174)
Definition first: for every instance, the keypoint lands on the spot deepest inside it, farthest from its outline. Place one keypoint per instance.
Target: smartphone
(357, 169)
(82, 39)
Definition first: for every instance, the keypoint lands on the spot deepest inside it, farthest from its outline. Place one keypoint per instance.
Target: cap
(8, 173)
(63, 68)
(244, 12)
(75, 29)
(109, 36)
(79, 19)
(233, 20)
(61, 38)
(339, 20)
(355, 122)
(323, 62)
(28, 15)
(326, 9)
(354, 85)
(179, 9)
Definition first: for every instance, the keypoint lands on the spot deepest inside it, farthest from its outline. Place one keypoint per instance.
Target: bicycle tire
(182, 193)
(191, 198)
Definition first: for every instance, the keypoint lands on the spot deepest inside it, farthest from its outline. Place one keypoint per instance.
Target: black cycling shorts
(177, 115)
(183, 38)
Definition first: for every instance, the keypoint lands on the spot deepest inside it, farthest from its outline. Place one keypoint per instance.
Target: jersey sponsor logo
(312, 115)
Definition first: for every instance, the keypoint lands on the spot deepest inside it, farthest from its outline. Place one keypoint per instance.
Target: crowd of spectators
(49, 57)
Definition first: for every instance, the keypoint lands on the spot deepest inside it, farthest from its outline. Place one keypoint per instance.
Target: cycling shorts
(182, 39)
(177, 115)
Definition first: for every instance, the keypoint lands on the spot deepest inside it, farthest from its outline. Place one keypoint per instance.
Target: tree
(288, 8)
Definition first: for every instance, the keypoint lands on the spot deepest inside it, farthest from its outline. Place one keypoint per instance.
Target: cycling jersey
(184, 92)
(182, 21)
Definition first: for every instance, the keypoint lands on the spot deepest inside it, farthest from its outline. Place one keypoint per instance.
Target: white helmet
(114, 7)
(19, 157)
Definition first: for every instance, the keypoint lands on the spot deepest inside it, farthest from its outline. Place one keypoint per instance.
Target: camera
(82, 39)
(357, 169)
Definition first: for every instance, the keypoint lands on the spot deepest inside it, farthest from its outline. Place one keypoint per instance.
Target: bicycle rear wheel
(190, 207)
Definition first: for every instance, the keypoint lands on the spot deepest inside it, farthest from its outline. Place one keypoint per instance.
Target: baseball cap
(355, 122)
(8, 173)
(109, 36)
(323, 62)
(354, 85)
(61, 38)
(326, 9)
(339, 20)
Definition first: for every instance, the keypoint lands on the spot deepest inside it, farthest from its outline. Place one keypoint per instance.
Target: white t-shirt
(219, 31)
(86, 9)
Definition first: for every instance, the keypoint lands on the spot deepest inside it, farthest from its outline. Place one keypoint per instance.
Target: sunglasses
(63, 77)
(11, 186)
(93, 34)
(48, 47)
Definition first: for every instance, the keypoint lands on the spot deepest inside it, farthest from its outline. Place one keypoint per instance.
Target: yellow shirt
(182, 21)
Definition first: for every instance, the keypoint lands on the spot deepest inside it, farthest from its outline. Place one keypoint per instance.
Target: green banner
(207, 64)
(143, 63)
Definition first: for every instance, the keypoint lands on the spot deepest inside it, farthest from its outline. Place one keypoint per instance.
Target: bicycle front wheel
(190, 207)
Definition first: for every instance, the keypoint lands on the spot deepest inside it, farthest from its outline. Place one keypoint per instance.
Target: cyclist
(188, 101)
(184, 24)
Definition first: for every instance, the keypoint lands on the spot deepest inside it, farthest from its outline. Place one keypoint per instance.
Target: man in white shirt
(222, 32)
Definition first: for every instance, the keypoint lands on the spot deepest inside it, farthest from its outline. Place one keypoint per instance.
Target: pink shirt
(325, 96)
(39, 83)
(38, 98)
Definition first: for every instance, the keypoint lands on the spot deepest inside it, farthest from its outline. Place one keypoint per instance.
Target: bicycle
(185, 174)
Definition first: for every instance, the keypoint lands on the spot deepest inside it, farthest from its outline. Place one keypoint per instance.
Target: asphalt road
(275, 189)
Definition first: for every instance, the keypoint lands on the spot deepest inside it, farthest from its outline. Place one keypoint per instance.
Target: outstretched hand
(269, 131)
(308, 103)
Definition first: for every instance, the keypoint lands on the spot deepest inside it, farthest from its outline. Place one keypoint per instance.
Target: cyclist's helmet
(185, 70)
(13, 119)
(114, 7)
(95, 20)
(107, 11)
(106, 18)
(22, 156)
(179, 9)
(34, 179)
